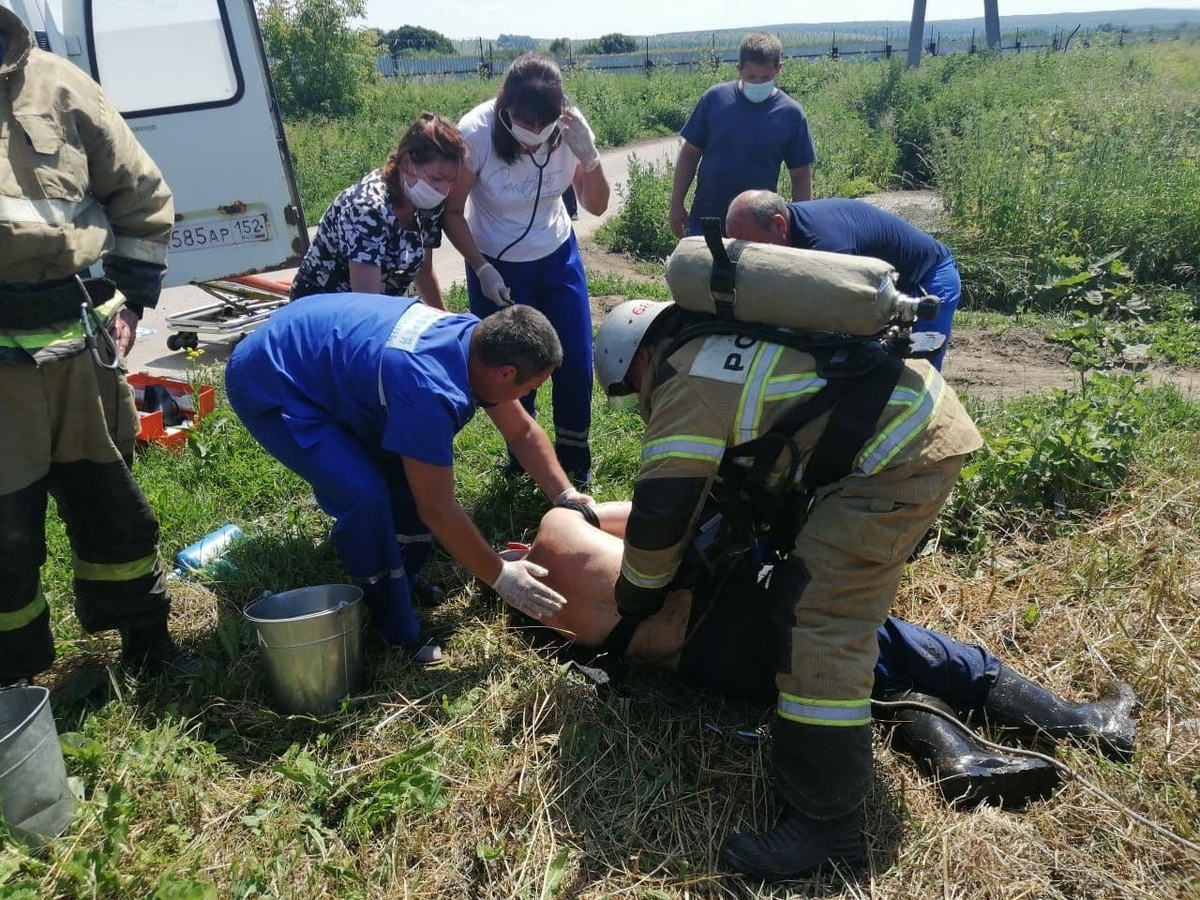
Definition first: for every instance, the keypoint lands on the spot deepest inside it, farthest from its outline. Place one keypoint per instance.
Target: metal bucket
(311, 645)
(34, 796)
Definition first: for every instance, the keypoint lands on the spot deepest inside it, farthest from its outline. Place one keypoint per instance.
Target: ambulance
(191, 79)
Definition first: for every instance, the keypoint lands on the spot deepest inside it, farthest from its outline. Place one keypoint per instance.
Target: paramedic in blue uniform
(362, 396)
(923, 263)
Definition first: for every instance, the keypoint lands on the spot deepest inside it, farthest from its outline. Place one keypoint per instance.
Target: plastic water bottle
(207, 550)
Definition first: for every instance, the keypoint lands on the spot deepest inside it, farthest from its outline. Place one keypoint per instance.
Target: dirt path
(981, 363)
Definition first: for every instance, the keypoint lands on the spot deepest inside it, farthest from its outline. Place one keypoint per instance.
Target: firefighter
(77, 188)
(844, 540)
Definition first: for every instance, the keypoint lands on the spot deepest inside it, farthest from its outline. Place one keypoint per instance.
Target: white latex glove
(493, 286)
(520, 588)
(570, 494)
(579, 138)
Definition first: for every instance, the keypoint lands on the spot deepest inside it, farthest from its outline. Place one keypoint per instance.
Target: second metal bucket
(311, 644)
(34, 796)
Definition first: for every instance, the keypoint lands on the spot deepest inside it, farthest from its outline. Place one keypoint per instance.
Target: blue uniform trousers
(945, 284)
(379, 538)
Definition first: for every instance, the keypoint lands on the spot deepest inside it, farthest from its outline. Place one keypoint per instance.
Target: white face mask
(757, 93)
(527, 137)
(424, 195)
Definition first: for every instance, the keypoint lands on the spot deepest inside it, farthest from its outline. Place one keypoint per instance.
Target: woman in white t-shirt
(506, 216)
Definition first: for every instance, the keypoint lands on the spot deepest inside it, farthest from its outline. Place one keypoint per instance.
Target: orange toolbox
(169, 408)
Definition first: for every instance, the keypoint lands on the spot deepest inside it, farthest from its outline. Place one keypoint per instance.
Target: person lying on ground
(714, 636)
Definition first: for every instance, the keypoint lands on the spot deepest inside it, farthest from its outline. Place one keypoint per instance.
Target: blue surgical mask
(757, 93)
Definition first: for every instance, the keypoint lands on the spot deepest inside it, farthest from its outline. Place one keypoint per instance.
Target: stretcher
(240, 305)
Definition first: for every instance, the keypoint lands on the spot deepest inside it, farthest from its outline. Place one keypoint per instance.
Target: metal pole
(991, 23)
(915, 29)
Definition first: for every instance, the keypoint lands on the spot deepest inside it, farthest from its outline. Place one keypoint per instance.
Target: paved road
(150, 352)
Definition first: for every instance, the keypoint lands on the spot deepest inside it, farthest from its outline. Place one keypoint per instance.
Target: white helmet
(618, 338)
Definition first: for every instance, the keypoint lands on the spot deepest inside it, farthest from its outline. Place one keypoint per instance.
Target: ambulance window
(159, 55)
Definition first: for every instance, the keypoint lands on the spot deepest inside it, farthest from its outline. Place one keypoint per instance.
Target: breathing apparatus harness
(860, 373)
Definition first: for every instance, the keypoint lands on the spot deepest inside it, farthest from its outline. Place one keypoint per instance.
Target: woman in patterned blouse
(378, 235)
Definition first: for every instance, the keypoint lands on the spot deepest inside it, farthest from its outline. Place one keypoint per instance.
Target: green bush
(641, 228)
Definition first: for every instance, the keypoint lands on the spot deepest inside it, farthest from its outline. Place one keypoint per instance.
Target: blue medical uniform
(338, 388)
(923, 264)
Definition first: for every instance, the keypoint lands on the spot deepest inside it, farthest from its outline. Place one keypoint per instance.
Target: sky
(581, 19)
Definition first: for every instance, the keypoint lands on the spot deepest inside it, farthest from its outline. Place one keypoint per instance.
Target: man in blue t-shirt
(738, 135)
(362, 396)
(923, 264)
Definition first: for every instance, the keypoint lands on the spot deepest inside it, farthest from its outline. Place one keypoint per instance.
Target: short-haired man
(362, 396)
(737, 137)
(923, 264)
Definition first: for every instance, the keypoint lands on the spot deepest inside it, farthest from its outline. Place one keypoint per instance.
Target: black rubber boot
(966, 772)
(823, 775)
(151, 649)
(1108, 722)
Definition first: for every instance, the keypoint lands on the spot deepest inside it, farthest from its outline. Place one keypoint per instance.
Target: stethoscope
(541, 168)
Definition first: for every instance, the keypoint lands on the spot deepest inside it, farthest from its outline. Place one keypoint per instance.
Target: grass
(504, 773)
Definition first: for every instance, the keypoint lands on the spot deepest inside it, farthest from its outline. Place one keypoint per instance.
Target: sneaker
(426, 593)
(426, 654)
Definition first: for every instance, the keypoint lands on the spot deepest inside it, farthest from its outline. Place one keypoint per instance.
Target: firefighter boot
(1108, 722)
(967, 773)
(823, 775)
(150, 648)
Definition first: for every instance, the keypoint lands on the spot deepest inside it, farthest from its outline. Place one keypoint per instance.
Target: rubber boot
(823, 775)
(966, 772)
(151, 649)
(1015, 700)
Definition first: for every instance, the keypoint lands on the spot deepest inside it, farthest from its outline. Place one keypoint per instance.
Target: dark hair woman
(378, 235)
(524, 148)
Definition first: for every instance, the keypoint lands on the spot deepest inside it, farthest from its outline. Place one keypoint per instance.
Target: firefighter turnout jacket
(718, 391)
(77, 187)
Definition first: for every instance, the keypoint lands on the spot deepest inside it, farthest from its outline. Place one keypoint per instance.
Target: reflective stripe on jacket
(719, 391)
(77, 183)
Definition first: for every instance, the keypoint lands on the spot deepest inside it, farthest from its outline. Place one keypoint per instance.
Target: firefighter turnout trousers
(67, 430)
(837, 587)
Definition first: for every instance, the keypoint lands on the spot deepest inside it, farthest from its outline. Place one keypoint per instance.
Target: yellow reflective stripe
(642, 580)
(918, 408)
(750, 403)
(789, 387)
(38, 340)
(684, 446)
(834, 713)
(19, 618)
(71, 332)
(126, 571)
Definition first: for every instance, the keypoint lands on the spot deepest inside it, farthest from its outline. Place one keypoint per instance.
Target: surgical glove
(573, 496)
(493, 286)
(579, 138)
(520, 588)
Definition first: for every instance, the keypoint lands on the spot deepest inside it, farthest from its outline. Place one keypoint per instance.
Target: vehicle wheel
(174, 342)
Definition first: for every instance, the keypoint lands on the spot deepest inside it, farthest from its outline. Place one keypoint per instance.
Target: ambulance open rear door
(191, 79)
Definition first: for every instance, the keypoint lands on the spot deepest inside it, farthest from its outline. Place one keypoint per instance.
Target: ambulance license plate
(223, 232)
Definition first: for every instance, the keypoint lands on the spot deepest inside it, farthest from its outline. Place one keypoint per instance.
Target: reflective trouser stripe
(19, 618)
(126, 571)
(836, 713)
